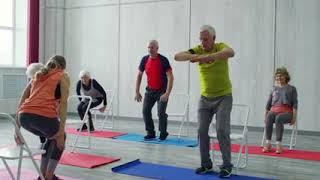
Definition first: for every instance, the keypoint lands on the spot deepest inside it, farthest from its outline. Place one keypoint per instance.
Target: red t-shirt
(156, 69)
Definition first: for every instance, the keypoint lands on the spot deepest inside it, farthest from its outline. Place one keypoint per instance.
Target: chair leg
(263, 137)
(180, 128)
(8, 169)
(213, 145)
(293, 137)
(36, 167)
(19, 163)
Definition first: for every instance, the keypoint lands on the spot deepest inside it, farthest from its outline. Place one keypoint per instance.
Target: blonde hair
(32, 69)
(283, 71)
(56, 61)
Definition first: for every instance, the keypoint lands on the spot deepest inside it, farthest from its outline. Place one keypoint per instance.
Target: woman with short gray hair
(89, 87)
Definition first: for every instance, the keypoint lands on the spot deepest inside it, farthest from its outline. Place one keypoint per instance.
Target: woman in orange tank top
(37, 111)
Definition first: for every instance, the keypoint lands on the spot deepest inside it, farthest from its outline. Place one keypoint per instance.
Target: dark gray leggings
(43, 127)
(279, 119)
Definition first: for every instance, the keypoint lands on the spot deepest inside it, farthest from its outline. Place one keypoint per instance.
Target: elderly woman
(39, 112)
(89, 87)
(281, 108)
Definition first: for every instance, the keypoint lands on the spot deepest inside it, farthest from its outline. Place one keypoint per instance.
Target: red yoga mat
(102, 134)
(292, 154)
(84, 160)
(26, 174)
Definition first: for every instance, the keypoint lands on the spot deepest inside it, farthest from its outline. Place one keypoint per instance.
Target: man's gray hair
(155, 42)
(33, 68)
(84, 73)
(208, 28)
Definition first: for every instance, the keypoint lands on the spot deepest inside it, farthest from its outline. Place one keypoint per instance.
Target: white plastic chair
(18, 152)
(239, 117)
(293, 136)
(108, 113)
(182, 100)
(84, 120)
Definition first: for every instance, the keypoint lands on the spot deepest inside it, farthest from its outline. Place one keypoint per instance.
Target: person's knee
(203, 131)
(146, 111)
(162, 115)
(80, 108)
(223, 132)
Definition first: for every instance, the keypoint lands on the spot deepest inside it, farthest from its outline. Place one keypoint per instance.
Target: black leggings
(43, 127)
(82, 107)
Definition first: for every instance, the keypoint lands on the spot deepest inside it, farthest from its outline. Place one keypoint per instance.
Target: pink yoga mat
(103, 134)
(26, 174)
(84, 160)
(292, 154)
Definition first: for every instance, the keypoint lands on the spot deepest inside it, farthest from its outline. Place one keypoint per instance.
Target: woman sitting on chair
(90, 87)
(39, 112)
(281, 108)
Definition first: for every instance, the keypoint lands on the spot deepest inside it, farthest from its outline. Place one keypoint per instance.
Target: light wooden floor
(263, 166)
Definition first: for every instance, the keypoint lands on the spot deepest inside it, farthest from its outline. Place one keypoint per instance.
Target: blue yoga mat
(169, 141)
(157, 171)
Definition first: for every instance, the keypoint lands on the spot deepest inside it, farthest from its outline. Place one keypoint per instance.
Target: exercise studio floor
(188, 157)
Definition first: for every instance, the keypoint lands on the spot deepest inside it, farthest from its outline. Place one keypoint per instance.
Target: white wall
(297, 47)
(109, 37)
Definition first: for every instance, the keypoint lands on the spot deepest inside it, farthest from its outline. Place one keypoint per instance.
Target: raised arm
(184, 56)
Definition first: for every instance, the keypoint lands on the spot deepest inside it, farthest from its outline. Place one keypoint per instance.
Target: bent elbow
(232, 53)
(176, 57)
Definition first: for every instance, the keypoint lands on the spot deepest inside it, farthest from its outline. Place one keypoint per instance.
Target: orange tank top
(42, 99)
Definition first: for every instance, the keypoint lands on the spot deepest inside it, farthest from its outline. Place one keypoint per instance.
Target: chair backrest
(16, 131)
(110, 97)
(240, 116)
(178, 104)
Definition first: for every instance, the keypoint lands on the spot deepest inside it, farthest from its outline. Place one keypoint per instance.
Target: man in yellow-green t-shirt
(216, 96)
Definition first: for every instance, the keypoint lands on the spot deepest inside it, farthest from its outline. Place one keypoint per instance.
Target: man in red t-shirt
(159, 85)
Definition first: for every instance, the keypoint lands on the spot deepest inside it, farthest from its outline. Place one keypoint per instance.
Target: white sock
(268, 141)
(278, 142)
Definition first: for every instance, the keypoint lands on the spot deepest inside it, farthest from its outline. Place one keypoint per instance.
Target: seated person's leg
(270, 119)
(280, 120)
(95, 103)
(82, 107)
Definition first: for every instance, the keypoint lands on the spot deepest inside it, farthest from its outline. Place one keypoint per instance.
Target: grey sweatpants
(221, 106)
(279, 119)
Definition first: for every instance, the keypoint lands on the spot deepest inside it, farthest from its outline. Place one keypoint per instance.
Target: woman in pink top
(281, 108)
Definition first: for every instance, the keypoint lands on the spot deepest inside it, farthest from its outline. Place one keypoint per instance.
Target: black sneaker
(149, 137)
(91, 129)
(203, 170)
(163, 136)
(225, 172)
(56, 177)
(84, 128)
